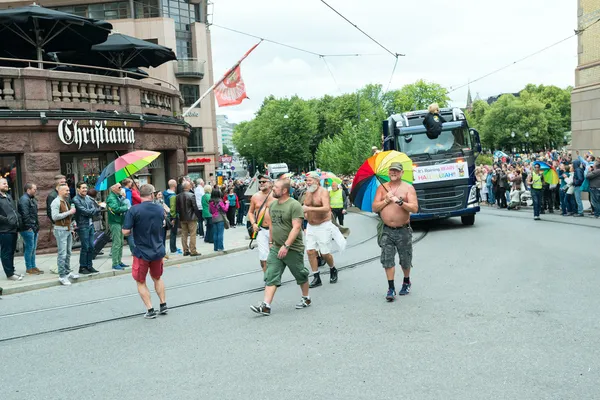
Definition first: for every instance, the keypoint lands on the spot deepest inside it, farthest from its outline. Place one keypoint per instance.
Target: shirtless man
(394, 201)
(258, 199)
(319, 230)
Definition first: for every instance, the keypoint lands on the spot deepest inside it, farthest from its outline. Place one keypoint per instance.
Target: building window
(190, 94)
(114, 10)
(184, 49)
(9, 168)
(147, 8)
(195, 142)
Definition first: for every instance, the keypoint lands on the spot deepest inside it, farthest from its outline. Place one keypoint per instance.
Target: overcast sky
(450, 43)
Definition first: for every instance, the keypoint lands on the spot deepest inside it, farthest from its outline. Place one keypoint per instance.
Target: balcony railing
(38, 89)
(189, 68)
(195, 149)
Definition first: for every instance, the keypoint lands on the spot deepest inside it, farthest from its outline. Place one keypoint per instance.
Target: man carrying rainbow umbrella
(383, 185)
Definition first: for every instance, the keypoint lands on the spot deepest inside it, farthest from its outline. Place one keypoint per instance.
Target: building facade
(226, 129)
(181, 26)
(585, 98)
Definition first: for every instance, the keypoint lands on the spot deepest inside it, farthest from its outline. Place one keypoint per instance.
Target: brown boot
(39, 272)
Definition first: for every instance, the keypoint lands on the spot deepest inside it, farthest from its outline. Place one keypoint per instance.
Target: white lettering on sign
(442, 172)
(97, 132)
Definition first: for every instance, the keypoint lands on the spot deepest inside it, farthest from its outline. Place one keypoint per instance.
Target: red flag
(232, 90)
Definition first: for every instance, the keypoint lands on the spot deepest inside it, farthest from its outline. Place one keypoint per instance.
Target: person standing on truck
(394, 201)
(433, 121)
(319, 230)
(260, 219)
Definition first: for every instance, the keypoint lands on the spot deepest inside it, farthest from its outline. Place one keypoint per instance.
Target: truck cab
(443, 168)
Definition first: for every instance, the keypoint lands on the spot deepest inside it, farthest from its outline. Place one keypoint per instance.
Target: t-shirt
(146, 220)
(281, 220)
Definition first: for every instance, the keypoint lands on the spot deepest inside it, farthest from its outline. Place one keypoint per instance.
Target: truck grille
(442, 199)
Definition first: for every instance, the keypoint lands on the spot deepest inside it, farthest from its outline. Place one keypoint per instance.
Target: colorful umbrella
(125, 166)
(550, 174)
(330, 177)
(373, 173)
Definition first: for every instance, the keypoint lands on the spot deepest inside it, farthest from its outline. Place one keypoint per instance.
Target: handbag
(225, 220)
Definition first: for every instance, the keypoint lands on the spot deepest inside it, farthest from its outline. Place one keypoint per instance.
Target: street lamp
(285, 116)
(527, 139)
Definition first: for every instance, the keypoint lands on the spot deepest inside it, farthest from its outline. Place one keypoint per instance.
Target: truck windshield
(414, 141)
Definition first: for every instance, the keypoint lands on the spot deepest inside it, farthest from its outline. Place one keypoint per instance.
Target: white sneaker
(64, 281)
(73, 275)
(15, 277)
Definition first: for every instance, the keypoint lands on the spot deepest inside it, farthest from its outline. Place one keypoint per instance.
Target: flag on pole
(233, 72)
(232, 90)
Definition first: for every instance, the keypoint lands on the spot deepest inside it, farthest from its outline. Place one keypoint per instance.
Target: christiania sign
(97, 132)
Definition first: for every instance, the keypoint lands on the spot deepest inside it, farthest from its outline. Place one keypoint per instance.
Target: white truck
(274, 170)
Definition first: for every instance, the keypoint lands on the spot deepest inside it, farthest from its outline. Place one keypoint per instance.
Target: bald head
(173, 184)
(186, 185)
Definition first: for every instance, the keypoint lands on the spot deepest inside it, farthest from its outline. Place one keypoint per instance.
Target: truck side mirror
(475, 134)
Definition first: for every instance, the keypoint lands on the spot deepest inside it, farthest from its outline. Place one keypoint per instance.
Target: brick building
(585, 99)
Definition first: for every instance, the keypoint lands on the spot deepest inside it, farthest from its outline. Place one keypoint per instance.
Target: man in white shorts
(319, 231)
(259, 217)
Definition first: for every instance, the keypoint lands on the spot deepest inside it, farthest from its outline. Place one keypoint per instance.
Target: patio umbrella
(47, 30)
(373, 173)
(125, 166)
(121, 52)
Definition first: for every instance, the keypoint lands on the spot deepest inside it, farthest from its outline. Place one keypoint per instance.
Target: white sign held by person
(97, 132)
(442, 172)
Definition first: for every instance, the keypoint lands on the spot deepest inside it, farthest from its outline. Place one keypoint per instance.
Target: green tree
(416, 96)
(226, 150)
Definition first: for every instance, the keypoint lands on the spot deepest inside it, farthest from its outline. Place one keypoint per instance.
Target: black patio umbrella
(121, 52)
(137, 73)
(47, 30)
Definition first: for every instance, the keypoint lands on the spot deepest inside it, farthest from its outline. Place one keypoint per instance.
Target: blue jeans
(577, 194)
(491, 197)
(86, 255)
(564, 206)
(209, 236)
(536, 196)
(8, 245)
(30, 239)
(218, 234)
(595, 198)
(173, 237)
(64, 241)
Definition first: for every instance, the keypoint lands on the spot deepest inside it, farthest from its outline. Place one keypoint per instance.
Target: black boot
(333, 277)
(316, 281)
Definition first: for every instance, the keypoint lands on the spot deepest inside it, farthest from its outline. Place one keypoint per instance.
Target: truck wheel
(468, 219)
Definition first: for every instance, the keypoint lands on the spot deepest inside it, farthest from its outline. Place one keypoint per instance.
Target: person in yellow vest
(536, 182)
(338, 202)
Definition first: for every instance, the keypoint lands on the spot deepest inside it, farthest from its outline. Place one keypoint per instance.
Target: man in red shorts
(147, 222)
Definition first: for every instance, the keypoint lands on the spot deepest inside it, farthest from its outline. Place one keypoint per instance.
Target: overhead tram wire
(396, 55)
(331, 73)
(577, 32)
(392, 76)
(293, 47)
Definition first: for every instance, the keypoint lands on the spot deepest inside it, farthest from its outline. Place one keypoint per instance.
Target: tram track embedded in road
(368, 260)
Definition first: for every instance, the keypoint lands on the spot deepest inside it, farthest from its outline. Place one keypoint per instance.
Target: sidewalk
(236, 239)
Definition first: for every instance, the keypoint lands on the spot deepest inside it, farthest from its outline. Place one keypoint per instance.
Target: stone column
(40, 168)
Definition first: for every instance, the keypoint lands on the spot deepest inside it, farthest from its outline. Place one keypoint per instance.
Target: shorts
(294, 260)
(140, 268)
(396, 240)
(319, 237)
(262, 239)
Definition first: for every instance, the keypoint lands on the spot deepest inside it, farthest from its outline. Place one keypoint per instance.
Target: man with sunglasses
(258, 216)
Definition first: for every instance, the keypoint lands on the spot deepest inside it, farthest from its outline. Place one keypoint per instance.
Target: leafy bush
(484, 159)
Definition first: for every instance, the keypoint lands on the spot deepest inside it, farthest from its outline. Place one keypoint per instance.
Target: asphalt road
(507, 308)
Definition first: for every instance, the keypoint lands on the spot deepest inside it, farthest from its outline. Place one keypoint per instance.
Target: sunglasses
(263, 181)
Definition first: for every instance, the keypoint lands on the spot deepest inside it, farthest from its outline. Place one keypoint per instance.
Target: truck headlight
(472, 195)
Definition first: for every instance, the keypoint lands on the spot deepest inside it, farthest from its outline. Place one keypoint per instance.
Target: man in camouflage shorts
(394, 201)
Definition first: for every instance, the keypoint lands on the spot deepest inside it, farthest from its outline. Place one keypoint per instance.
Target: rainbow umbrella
(125, 166)
(373, 173)
(329, 178)
(549, 173)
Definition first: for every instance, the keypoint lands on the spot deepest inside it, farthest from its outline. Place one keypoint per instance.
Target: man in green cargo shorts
(286, 247)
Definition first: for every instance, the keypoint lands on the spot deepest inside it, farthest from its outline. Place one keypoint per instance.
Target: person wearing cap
(319, 229)
(394, 201)
(260, 219)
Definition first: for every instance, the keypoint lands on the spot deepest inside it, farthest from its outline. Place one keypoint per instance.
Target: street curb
(108, 274)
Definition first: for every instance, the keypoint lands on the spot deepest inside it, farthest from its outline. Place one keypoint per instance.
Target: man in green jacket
(116, 211)
(206, 215)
